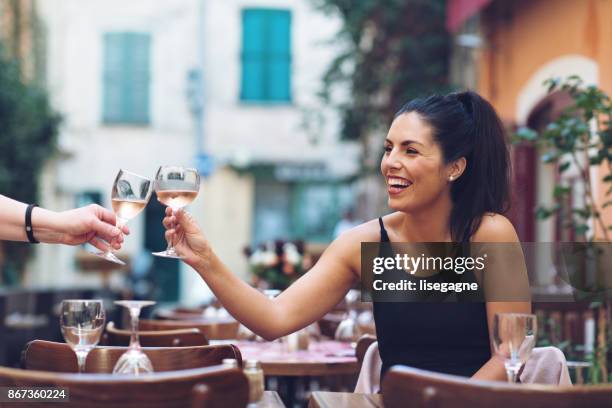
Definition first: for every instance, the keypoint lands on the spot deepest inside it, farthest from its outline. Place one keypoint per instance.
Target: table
(333, 360)
(322, 358)
(271, 399)
(323, 399)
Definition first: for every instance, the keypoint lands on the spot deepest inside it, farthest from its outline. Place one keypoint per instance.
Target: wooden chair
(226, 387)
(158, 338)
(213, 330)
(201, 396)
(329, 323)
(179, 313)
(50, 356)
(362, 346)
(411, 387)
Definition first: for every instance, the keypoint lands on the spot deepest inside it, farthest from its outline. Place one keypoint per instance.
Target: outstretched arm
(304, 302)
(72, 227)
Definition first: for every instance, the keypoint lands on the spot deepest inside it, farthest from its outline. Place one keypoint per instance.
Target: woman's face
(413, 165)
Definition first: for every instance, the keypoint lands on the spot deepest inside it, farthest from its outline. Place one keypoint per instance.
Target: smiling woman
(453, 143)
(447, 173)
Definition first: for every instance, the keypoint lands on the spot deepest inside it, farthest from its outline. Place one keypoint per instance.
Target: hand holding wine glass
(188, 239)
(176, 187)
(91, 224)
(82, 322)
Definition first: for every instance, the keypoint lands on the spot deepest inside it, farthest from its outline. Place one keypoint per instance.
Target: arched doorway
(534, 180)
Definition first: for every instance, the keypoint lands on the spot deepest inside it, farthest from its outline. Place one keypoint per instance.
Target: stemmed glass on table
(176, 187)
(133, 361)
(514, 336)
(130, 195)
(82, 322)
(348, 330)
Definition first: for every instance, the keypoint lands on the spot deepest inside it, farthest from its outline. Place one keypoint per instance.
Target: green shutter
(113, 55)
(279, 62)
(266, 55)
(253, 48)
(126, 78)
(138, 78)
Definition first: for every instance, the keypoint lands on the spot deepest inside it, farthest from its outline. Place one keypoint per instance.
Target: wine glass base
(109, 256)
(168, 254)
(133, 362)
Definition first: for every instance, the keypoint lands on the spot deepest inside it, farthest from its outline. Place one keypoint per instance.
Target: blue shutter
(266, 55)
(138, 78)
(253, 48)
(126, 78)
(279, 62)
(113, 55)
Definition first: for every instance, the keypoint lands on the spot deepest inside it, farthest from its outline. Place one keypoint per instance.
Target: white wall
(95, 152)
(272, 132)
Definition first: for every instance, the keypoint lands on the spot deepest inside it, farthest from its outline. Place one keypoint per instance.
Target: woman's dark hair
(466, 125)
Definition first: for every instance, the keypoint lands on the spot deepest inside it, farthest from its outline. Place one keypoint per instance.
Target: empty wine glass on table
(176, 187)
(348, 330)
(514, 336)
(133, 361)
(130, 196)
(82, 322)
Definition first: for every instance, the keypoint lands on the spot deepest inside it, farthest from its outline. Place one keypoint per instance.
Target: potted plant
(276, 264)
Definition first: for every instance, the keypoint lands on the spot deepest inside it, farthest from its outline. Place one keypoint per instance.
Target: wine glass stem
(120, 223)
(512, 375)
(170, 247)
(134, 342)
(81, 358)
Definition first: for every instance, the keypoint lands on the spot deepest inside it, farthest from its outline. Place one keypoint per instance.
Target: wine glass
(82, 322)
(514, 336)
(175, 187)
(349, 330)
(133, 361)
(130, 195)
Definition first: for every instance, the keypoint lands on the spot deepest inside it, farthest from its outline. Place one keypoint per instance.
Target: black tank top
(445, 337)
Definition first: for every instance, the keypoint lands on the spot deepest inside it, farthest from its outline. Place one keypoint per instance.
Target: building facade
(521, 44)
(229, 87)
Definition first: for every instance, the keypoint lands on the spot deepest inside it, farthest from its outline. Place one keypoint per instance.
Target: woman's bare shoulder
(368, 231)
(495, 228)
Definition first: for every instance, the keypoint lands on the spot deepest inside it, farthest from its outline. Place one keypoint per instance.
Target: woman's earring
(451, 178)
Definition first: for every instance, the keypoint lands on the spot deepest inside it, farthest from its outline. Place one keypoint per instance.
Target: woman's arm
(12, 221)
(498, 230)
(72, 227)
(304, 302)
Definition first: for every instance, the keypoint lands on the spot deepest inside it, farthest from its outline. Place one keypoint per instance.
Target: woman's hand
(88, 224)
(183, 232)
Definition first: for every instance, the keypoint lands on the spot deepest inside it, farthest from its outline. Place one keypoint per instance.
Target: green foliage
(394, 50)
(581, 137)
(28, 132)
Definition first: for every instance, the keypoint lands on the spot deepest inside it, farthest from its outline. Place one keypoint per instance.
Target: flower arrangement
(276, 264)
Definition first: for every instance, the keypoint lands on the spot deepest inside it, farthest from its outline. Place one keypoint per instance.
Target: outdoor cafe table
(323, 358)
(323, 399)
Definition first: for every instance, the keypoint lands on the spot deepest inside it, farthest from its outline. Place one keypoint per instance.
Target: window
(126, 78)
(266, 55)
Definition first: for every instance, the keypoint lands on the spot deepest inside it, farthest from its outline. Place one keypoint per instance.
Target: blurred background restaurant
(282, 106)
